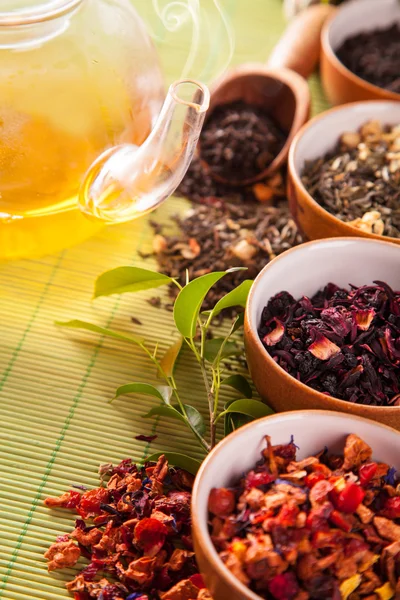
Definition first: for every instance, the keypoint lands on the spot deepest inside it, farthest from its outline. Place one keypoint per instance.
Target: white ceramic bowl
(238, 453)
(304, 270)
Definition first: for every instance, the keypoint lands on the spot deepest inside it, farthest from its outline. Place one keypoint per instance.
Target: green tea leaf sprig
(193, 328)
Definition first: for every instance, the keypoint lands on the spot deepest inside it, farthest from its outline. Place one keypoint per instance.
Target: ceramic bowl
(304, 270)
(314, 140)
(340, 84)
(237, 453)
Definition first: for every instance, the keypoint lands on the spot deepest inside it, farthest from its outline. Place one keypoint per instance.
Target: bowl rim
(330, 54)
(338, 404)
(295, 176)
(204, 541)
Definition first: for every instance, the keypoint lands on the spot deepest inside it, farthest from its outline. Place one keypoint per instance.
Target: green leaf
(251, 408)
(77, 324)
(170, 357)
(188, 303)
(161, 392)
(165, 410)
(233, 421)
(239, 322)
(128, 279)
(212, 347)
(239, 383)
(177, 460)
(195, 419)
(237, 297)
(174, 412)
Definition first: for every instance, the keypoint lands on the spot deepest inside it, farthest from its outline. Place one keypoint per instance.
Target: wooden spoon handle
(299, 47)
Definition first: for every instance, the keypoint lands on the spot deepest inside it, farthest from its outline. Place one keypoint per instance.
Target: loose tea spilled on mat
(239, 141)
(359, 181)
(374, 56)
(215, 238)
(344, 343)
(136, 534)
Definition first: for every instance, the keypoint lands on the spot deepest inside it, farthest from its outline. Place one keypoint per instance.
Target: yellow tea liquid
(62, 104)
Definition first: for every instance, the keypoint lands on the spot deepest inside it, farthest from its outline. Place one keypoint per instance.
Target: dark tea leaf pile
(359, 180)
(344, 343)
(239, 141)
(224, 235)
(374, 56)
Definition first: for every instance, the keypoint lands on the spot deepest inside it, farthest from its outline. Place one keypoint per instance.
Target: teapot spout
(128, 181)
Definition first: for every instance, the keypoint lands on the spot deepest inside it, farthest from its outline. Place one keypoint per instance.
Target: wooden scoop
(279, 87)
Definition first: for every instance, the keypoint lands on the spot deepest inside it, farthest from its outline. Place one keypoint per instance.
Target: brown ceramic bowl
(304, 270)
(340, 84)
(238, 453)
(315, 139)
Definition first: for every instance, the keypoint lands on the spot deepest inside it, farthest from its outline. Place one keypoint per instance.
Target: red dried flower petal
(221, 502)
(68, 500)
(150, 534)
(313, 478)
(391, 509)
(198, 581)
(364, 318)
(349, 498)
(323, 348)
(254, 479)
(340, 521)
(275, 336)
(367, 472)
(90, 501)
(284, 586)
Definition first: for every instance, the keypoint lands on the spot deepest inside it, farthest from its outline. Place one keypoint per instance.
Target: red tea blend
(136, 535)
(325, 527)
(344, 343)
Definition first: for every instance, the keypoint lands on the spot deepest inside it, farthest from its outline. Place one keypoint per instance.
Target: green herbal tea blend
(224, 235)
(359, 180)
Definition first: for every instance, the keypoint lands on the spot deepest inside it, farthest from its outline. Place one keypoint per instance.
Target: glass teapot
(82, 122)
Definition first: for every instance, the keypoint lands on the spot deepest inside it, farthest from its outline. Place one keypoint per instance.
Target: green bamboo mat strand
(56, 425)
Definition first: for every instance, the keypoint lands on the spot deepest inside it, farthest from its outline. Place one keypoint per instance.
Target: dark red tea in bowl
(324, 346)
(341, 342)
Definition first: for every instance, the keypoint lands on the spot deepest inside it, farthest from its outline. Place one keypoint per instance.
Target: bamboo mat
(56, 425)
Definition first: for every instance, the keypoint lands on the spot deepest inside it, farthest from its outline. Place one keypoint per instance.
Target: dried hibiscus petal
(275, 335)
(323, 348)
(367, 472)
(90, 504)
(150, 534)
(68, 500)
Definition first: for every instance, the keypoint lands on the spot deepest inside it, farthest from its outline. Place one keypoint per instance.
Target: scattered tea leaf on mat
(128, 279)
(146, 438)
